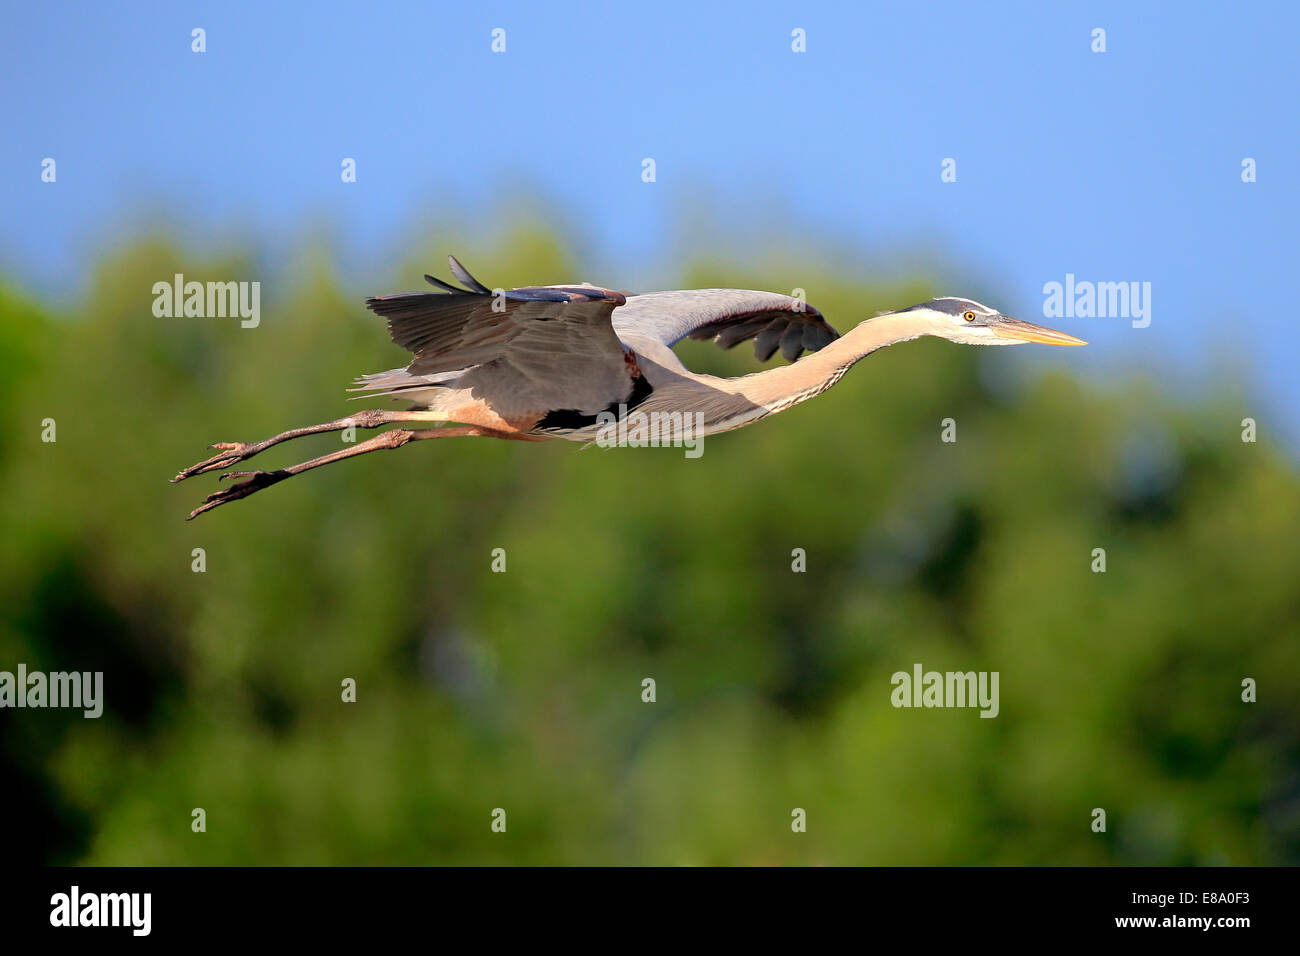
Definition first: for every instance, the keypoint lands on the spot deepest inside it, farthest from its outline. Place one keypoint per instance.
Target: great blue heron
(562, 361)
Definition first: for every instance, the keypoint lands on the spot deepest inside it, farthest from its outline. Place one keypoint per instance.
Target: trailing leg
(255, 481)
(233, 452)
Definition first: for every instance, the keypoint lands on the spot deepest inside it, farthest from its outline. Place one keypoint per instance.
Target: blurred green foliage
(523, 690)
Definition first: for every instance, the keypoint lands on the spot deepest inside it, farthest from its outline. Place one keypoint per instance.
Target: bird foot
(254, 481)
(232, 452)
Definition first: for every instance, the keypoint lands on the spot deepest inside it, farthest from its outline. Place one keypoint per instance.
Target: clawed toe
(253, 481)
(232, 452)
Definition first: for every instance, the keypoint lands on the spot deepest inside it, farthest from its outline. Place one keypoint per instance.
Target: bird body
(568, 361)
(554, 379)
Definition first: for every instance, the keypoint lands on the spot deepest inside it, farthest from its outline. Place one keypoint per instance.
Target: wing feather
(792, 341)
(769, 340)
(542, 344)
(728, 317)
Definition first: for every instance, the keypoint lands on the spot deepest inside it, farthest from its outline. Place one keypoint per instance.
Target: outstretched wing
(555, 343)
(459, 328)
(729, 317)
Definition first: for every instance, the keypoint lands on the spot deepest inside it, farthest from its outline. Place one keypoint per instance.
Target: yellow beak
(1023, 331)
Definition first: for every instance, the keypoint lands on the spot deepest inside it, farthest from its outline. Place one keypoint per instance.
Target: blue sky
(1115, 166)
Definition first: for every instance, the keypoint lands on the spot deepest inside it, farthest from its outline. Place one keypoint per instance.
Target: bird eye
(969, 316)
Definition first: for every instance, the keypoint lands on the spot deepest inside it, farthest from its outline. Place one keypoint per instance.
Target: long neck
(779, 388)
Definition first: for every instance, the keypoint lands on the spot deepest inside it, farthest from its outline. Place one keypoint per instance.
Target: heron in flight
(544, 362)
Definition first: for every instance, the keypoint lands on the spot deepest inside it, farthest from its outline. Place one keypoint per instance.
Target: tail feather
(398, 381)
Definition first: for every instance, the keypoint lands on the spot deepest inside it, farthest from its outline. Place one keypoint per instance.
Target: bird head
(970, 323)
